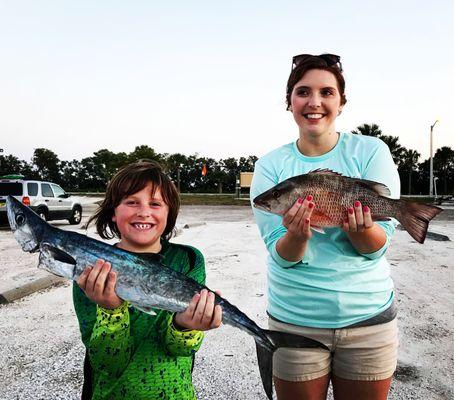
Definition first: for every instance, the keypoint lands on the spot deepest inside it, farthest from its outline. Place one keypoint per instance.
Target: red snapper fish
(334, 193)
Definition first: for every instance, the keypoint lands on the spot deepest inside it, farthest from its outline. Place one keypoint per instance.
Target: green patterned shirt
(134, 355)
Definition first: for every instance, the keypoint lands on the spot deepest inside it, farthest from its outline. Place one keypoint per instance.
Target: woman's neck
(313, 146)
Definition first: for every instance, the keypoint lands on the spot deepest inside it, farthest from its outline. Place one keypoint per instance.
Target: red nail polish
(350, 210)
(309, 198)
(357, 203)
(366, 209)
(346, 220)
(311, 205)
(300, 200)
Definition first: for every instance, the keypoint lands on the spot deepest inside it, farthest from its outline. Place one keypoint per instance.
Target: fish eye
(20, 219)
(276, 194)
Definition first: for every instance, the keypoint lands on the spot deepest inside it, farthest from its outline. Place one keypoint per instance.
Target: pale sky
(209, 77)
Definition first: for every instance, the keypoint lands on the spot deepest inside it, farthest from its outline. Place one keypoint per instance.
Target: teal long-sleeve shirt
(332, 285)
(134, 355)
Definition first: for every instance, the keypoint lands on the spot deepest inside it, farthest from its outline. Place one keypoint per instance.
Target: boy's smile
(141, 219)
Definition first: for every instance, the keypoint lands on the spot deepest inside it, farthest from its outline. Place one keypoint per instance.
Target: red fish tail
(415, 218)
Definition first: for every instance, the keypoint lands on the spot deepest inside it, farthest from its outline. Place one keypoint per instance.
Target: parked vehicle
(47, 199)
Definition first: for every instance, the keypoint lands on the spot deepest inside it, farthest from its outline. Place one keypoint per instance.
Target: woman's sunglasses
(330, 59)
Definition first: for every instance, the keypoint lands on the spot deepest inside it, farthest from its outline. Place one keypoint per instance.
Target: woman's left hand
(202, 314)
(359, 218)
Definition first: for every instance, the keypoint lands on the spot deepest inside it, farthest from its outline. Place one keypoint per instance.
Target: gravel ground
(41, 356)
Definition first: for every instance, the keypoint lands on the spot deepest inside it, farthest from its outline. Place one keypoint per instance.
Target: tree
(46, 163)
(144, 152)
(444, 166)
(410, 163)
(368, 130)
(394, 147)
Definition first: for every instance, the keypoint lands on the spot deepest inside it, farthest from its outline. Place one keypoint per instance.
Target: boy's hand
(98, 284)
(201, 314)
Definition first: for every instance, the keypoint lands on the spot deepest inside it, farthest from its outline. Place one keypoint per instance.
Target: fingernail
(350, 210)
(309, 198)
(366, 209)
(346, 220)
(311, 205)
(300, 200)
(357, 203)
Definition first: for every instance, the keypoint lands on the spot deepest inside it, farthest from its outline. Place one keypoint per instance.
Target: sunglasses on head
(330, 59)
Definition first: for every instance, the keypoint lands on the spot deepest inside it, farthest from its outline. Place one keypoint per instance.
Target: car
(47, 199)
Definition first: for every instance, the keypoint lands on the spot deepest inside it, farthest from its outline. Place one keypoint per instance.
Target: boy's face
(141, 219)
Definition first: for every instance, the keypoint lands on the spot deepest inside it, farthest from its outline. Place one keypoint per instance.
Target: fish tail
(266, 349)
(415, 218)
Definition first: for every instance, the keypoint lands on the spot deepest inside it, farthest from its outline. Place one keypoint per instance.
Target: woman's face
(316, 102)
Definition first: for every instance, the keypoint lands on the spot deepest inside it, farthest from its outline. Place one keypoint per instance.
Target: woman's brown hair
(129, 180)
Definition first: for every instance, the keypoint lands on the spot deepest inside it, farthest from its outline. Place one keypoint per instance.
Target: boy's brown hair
(129, 180)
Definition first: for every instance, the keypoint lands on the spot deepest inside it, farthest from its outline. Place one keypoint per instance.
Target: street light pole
(431, 178)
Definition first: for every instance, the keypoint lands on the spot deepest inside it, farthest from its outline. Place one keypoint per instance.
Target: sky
(209, 77)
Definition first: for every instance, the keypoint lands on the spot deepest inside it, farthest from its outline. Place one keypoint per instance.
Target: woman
(334, 287)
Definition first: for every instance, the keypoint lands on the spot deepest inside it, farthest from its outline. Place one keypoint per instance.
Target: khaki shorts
(365, 353)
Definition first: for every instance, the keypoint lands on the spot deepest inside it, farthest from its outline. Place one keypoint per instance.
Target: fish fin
(381, 218)
(57, 254)
(415, 218)
(56, 265)
(265, 353)
(377, 187)
(146, 310)
(318, 229)
(324, 171)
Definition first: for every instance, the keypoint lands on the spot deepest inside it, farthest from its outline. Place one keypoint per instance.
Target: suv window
(32, 188)
(59, 192)
(11, 188)
(46, 190)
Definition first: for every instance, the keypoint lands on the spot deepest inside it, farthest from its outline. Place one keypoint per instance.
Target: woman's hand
(297, 219)
(98, 284)
(364, 234)
(201, 314)
(359, 218)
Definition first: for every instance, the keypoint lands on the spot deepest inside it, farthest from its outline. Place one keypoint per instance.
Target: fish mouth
(262, 206)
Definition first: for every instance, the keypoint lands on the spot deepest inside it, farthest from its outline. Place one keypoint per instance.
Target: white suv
(47, 199)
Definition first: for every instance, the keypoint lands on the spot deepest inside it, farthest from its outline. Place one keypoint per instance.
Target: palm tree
(394, 147)
(444, 164)
(368, 130)
(410, 162)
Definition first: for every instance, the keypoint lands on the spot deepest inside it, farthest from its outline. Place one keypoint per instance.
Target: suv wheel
(42, 212)
(76, 217)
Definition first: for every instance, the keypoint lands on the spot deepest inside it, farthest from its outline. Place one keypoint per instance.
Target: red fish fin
(318, 229)
(415, 218)
(324, 171)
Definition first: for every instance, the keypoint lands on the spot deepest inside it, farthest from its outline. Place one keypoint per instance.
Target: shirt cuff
(279, 260)
(121, 309)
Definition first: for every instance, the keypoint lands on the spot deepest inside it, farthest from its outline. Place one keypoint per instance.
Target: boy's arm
(86, 313)
(110, 346)
(184, 342)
